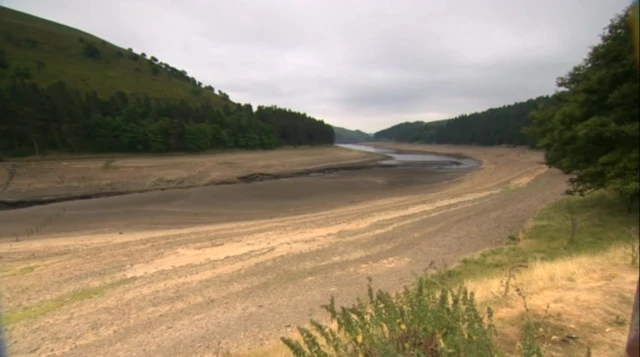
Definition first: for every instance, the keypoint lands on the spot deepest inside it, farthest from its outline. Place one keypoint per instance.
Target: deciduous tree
(592, 131)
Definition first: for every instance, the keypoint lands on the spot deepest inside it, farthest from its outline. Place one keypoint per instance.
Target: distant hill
(64, 90)
(399, 132)
(495, 126)
(346, 136)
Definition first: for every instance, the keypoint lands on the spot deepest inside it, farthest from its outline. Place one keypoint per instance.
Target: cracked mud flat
(172, 273)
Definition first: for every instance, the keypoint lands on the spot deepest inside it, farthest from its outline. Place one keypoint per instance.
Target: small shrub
(31, 42)
(154, 70)
(417, 322)
(21, 73)
(529, 346)
(12, 39)
(40, 65)
(4, 63)
(91, 51)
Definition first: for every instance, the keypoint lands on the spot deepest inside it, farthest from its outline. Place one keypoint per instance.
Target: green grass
(601, 221)
(29, 40)
(12, 317)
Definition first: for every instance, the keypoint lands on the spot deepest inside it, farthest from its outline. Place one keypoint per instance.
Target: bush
(90, 51)
(416, 322)
(11, 39)
(32, 42)
(40, 65)
(154, 70)
(4, 64)
(21, 73)
(420, 322)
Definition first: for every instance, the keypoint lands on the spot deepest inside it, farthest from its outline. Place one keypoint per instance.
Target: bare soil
(173, 273)
(86, 176)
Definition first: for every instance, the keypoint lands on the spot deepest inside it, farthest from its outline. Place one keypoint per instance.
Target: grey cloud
(356, 63)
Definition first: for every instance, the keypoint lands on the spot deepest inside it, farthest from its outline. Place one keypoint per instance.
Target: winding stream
(436, 161)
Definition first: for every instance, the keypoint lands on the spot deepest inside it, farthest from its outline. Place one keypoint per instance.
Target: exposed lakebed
(394, 160)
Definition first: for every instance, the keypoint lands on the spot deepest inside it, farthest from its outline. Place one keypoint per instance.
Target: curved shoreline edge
(374, 163)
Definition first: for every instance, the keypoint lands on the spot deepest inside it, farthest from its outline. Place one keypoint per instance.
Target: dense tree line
(295, 129)
(37, 120)
(402, 132)
(592, 130)
(495, 126)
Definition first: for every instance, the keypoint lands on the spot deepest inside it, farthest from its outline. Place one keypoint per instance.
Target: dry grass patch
(587, 296)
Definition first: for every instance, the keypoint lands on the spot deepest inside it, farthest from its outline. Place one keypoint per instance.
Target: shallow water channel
(430, 160)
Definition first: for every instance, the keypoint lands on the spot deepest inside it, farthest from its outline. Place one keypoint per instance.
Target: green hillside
(346, 136)
(51, 52)
(399, 132)
(495, 126)
(63, 90)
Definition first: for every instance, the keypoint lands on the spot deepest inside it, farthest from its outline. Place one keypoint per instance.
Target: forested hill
(399, 132)
(346, 136)
(495, 126)
(64, 90)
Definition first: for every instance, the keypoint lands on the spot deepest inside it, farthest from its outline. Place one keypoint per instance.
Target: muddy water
(416, 159)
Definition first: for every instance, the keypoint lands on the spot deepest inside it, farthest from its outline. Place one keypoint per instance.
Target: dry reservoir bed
(172, 273)
(84, 177)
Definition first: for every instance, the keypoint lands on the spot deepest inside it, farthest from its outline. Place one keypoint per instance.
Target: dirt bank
(172, 273)
(61, 179)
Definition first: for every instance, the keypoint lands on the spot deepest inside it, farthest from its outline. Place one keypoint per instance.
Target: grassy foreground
(569, 275)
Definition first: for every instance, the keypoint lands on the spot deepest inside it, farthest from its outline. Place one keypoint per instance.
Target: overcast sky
(360, 64)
